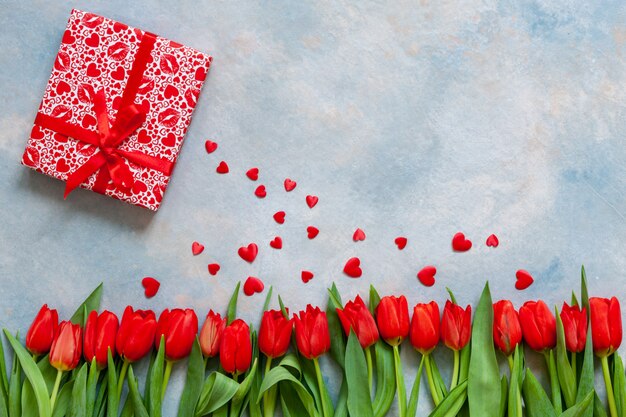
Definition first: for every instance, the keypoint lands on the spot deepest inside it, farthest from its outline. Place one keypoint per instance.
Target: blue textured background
(415, 119)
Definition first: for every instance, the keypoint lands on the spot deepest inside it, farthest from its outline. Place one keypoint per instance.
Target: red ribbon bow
(108, 137)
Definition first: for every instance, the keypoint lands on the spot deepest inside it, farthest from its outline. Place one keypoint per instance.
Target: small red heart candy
(253, 285)
(289, 184)
(312, 231)
(277, 243)
(214, 268)
(222, 168)
(353, 268)
(260, 191)
(400, 242)
(311, 200)
(279, 217)
(460, 244)
(524, 279)
(197, 248)
(358, 235)
(427, 275)
(210, 146)
(492, 241)
(253, 174)
(151, 286)
(248, 253)
(307, 276)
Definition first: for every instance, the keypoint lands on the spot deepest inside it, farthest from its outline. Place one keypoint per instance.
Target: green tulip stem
(120, 382)
(574, 365)
(269, 396)
(55, 390)
(510, 360)
(370, 370)
(166, 377)
(609, 386)
(399, 381)
(431, 380)
(455, 370)
(320, 385)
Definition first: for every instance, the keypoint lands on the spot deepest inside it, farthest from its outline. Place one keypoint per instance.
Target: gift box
(115, 110)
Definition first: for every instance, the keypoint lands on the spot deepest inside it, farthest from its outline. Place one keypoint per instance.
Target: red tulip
(456, 325)
(392, 316)
(236, 347)
(312, 334)
(136, 334)
(575, 326)
(507, 330)
(42, 331)
(424, 334)
(66, 347)
(355, 315)
(100, 333)
(179, 328)
(274, 333)
(538, 325)
(606, 325)
(211, 334)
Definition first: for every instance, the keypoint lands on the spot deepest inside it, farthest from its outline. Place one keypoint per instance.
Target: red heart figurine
(353, 268)
(460, 243)
(400, 242)
(197, 248)
(523, 279)
(248, 253)
(427, 275)
(253, 285)
(151, 286)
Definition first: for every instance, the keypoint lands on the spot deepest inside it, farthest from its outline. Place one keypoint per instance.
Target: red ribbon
(108, 137)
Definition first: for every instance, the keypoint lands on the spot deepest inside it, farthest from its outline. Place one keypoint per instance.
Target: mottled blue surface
(419, 119)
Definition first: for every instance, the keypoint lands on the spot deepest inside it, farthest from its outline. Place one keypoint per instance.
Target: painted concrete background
(416, 119)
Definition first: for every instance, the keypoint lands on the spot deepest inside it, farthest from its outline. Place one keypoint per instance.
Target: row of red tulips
(174, 334)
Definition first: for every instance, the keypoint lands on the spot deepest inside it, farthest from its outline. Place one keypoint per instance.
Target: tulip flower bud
(575, 327)
(456, 325)
(100, 334)
(136, 334)
(507, 330)
(424, 333)
(538, 325)
(312, 334)
(236, 347)
(211, 334)
(275, 333)
(42, 331)
(606, 325)
(67, 346)
(392, 317)
(179, 328)
(356, 316)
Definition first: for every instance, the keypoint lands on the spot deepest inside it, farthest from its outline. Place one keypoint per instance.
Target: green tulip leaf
(237, 404)
(584, 294)
(127, 409)
(337, 338)
(280, 375)
(79, 394)
(291, 361)
(452, 404)
(231, 314)
(268, 298)
(341, 408)
(465, 362)
(156, 381)
(92, 386)
(291, 403)
(359, 401)
(193, 383)
(579, 409)
(537, 402)
(4, 381)
(112, 399)
(63, 400)
(619, 385)
(15, 388)
(374, 300)
(217, 390)
(99, 406)
(33, 374)
(598, 409)
(587, 377)
(514, 400)
(415, 392)
(440, 385)
(385, 378)
(483, 389)
(92, 302)
(254, 409)
(135, 396)
(504, 390)
(564, 370)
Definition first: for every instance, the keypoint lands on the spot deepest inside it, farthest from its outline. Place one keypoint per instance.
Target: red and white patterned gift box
(115, 110)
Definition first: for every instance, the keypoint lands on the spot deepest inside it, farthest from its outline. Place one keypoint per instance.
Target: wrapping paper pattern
(98, 53)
